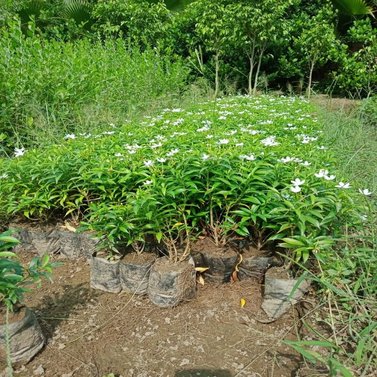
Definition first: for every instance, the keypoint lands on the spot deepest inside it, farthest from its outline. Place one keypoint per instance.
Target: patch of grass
(353, 140)
(348, 277)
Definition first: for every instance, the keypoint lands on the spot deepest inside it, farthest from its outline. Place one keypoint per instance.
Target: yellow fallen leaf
(239, 262)
(69, 227)
(200, 280)
(243, 302)
(201, 269)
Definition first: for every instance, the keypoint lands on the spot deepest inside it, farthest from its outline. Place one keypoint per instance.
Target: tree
(317, 43)
(212, 30)
(256, 25)
(140, 22)
(357, 75)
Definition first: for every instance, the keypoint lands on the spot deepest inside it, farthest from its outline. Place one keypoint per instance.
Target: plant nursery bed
(94, 333)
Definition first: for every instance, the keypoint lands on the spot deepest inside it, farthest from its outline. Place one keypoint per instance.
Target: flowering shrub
(237, 167)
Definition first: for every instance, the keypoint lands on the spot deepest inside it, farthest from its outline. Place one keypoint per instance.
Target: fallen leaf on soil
(69, 227)
(200, 280)
(242, 302)
(201, 269)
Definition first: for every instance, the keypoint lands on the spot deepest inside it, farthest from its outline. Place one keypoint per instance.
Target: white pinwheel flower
(19, 152)
(157, 145)
(322, 173)
(70, 136)
(365, 192)
(298, 182)
(223, 141)
(203, 129)
(343, 185)
(148, 163)
(246, 157)
(205, 157)
(305, 163)
(287, 159)
(172, 152)
(295, 189)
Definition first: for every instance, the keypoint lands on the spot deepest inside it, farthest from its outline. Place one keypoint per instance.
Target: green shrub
(357, 74)
(50, 88)
(140, 22)
(237, 167)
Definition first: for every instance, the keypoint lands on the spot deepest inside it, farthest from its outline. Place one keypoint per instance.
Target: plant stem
(7, 345)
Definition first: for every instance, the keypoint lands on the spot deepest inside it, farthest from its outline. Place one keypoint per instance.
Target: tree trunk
(258, 69)
(217, 69)
(251, 69)
(309, 89)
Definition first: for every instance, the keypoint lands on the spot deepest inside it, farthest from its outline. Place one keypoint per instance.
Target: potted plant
(21, 337)
(120, 262)
(104, 263)
(135, 267)
(221, 194)
(173, 276)
(237, 200)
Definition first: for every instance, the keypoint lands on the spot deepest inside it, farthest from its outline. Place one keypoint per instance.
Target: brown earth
(92, 333)
(334, 104)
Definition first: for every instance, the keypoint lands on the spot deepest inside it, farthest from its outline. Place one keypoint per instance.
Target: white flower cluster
(296, 185)
(132, 149)
(325, 174)
(249, 157)
(306, 139)
(270, 141)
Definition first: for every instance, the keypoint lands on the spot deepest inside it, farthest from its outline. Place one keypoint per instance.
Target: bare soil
(92, 333)
(143, 258)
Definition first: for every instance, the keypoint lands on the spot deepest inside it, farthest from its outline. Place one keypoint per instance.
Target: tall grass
(353, 138)
(348, 275)
(50, 88)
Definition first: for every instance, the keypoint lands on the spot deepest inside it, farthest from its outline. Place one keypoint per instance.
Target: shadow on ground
(58, 307)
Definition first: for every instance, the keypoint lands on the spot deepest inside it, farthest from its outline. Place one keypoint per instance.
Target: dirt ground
(93, 333)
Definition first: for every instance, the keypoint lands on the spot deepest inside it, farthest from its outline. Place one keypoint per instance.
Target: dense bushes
(331, 43)
(53, 88)
(357, 74)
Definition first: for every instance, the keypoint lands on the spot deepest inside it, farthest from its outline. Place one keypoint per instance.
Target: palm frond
(353, 7)
(78, 10)
(31, 8)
